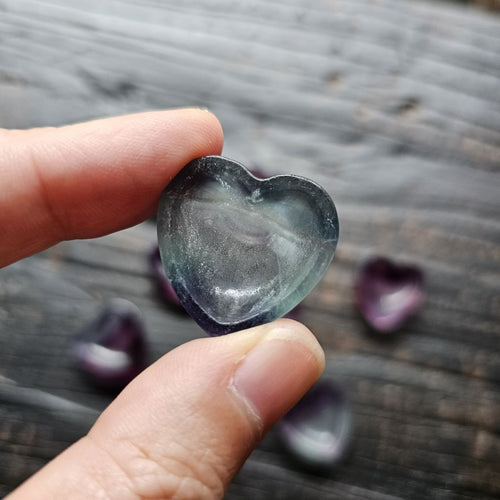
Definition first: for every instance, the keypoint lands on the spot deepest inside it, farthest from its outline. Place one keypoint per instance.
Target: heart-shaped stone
(112, 349)
(317, 430)
(241, 251)
(388, 294)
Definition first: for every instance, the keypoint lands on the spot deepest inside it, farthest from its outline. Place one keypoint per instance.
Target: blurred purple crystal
(163, 285)
(111, 349)
(295, 313)
(387, 294)
(256, 171)
(317, 430)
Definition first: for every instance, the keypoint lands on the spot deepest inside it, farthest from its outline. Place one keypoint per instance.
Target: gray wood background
(394, 107)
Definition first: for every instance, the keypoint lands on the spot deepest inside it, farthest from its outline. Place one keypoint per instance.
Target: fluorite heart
(111, 349)
(388, 294)
(317, 430)
(241, 251)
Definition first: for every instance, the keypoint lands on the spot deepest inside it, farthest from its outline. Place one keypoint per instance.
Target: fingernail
(278, 371)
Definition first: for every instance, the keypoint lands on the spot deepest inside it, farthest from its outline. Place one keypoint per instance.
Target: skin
(184, 427)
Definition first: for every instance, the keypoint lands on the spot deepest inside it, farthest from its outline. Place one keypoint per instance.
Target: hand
(184, 426)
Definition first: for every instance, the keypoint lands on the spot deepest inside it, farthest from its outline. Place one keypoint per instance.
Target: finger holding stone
(89, 179)
(184, 427)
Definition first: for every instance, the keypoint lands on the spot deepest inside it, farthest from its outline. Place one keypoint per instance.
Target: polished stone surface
(163, 286)
(241, 251)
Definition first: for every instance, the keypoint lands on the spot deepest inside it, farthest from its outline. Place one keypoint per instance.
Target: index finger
(93, 178)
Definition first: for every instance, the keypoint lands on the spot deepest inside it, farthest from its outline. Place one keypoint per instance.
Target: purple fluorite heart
(111, 349)
(317, 430)
(241, 251)
(387, 294)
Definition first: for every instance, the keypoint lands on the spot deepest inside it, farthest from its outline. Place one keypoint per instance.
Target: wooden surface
(394, 107)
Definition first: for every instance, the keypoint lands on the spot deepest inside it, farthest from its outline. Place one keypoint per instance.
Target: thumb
(184, 427)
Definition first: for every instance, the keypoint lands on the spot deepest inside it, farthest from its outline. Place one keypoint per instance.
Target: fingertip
(210, 125)
(203, 131)
(298, 332)
(278, 370)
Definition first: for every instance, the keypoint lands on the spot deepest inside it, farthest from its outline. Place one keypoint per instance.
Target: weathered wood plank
(279, 64)
(393, 107)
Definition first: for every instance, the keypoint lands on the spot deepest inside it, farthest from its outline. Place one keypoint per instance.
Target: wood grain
(394, 107)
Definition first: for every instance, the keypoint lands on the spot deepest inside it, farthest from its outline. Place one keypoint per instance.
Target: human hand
(184, 426)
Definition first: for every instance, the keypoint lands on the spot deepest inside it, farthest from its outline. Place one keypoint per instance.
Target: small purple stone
(111, 349)
(387, 294)
(163, 285)
(317, 430)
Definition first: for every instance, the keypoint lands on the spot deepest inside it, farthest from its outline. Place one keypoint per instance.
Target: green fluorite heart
(241, 251)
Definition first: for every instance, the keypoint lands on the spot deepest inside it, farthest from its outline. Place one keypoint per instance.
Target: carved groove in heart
(241, 251)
